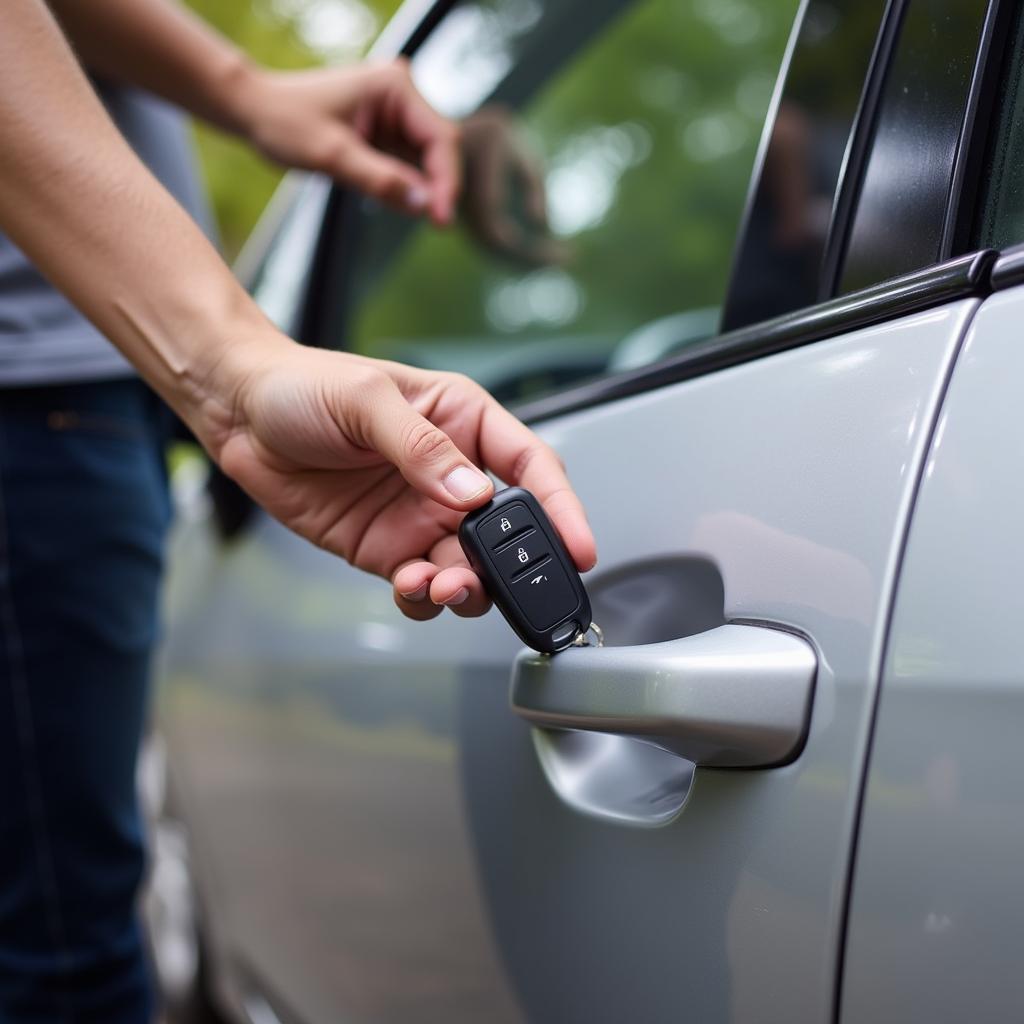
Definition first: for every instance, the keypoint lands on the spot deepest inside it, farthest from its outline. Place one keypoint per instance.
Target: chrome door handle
(736, 696)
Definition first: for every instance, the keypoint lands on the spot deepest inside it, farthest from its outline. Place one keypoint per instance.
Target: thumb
(424, 454)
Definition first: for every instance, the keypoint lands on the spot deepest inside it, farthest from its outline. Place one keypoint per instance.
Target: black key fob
(529, 575)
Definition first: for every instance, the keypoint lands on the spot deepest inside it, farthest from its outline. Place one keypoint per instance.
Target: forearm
(164, 48)
(76, 199)
(365, 126)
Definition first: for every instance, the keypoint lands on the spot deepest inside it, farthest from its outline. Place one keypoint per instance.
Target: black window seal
(958, 278)
(973, 145)
(1008, 271)
(858, 147)
(955, 208)
(862, 135)
(427, 24)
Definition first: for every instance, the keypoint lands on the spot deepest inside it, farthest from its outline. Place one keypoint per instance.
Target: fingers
(442, 166)
(519, 457)
(411, 585)
(397, 117)
(392, 181)
(531, 177)
(423, 453)
(437, 140)
(456, 585)
(422, 589)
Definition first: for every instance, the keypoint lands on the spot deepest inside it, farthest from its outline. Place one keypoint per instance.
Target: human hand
(377, 462)
(365, 125)
(498, 163)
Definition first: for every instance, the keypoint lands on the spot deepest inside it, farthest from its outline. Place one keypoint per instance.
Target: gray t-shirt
(43, 338)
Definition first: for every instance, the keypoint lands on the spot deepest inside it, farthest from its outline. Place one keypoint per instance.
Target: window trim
(968, 149)
(977, 128)
(857, 149)
(862, 134)
(962, 277)
(1008, 271)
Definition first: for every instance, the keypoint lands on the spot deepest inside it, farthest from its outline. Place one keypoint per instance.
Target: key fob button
(504, 525)
(545, 594)
(518, 556)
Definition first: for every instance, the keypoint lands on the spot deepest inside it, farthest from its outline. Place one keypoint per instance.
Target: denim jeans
(83, 513)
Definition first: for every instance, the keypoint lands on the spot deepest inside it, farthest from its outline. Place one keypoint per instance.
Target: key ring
(582, 640)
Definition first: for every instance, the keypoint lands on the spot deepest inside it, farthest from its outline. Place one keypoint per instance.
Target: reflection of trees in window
(644, 144)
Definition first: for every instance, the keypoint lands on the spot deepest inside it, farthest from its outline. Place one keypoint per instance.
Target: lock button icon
(522, 555)
(505, 526)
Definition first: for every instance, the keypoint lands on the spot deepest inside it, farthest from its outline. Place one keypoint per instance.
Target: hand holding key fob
(516, 551)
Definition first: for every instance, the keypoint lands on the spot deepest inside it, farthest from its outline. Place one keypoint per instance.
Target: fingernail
(417, 197)
(458, 597)
(418, 594)
(465, 483)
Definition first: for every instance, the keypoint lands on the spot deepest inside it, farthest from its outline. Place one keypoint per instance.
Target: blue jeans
(83, 513)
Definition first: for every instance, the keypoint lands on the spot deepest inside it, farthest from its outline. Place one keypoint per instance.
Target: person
(373, 461)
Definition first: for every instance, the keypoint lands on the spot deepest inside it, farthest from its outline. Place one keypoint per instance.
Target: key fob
(512, 545)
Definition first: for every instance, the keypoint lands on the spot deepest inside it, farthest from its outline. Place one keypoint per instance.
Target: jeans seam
(25, 731)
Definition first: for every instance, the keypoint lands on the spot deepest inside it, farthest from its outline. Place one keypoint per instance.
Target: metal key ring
(582, 637)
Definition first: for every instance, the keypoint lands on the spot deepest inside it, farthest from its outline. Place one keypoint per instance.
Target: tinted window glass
(901, 213)
(608, 151)
(1002, 208)
(793, 211)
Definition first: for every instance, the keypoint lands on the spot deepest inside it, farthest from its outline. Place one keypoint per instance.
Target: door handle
(736, 696)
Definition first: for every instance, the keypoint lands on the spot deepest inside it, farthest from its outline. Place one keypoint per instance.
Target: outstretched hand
(377, 462)
(366, 125)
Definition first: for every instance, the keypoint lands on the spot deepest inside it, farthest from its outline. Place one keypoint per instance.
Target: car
(752, 270)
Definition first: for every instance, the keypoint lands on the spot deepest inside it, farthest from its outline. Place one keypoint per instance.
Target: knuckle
(462, 382)
(528, 455)
(391, 72)
(368, 381)
(425, 443)
(329, 156)
(391, 185)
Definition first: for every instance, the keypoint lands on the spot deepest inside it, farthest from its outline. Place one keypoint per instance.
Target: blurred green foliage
(647, 134)
(279, 34)
(643, 135)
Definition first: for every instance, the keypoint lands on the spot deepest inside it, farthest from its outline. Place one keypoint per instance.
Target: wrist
(234, 94)
(215, 396)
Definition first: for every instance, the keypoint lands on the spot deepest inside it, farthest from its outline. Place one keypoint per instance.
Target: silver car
(785, 377)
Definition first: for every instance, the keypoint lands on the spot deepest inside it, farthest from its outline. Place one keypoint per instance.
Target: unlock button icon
(520, 555)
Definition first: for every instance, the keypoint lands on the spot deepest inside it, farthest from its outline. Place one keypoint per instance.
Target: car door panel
(385, 842)
(934, 930)
(805, 526)
(312, 736)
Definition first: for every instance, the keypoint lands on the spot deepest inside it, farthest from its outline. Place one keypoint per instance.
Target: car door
(936, 908)
(380, 837)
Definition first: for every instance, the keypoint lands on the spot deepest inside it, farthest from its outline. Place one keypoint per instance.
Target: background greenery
(646, 133)
(278, 34)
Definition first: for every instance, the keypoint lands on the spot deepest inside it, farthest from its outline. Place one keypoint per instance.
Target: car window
(1001, 219)
(785, 260)
(608, 149)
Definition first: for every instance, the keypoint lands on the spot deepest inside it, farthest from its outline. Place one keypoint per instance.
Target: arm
(320, 120)
(371, 460)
